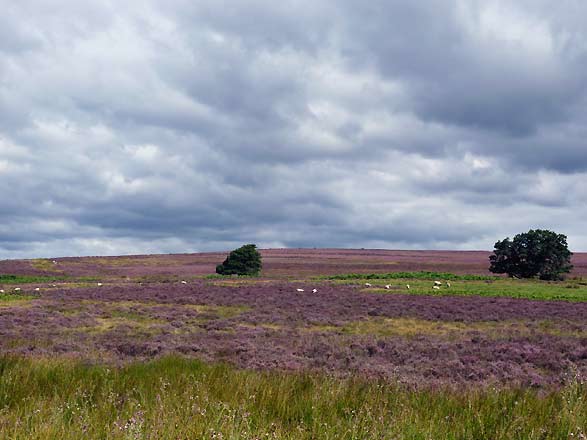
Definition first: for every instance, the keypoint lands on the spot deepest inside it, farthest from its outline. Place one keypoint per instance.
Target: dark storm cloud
(139, 127)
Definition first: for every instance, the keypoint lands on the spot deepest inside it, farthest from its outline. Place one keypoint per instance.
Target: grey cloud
(197, 126)
(496, 84)
(260, 25)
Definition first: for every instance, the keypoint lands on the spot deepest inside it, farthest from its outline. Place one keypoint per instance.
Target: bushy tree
(246, 260)
(536, 253)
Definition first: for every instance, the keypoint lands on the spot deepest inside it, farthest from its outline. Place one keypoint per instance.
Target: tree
(246, 260)
(538, 252)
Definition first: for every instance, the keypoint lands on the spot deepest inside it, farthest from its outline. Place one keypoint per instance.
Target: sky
(182, 126)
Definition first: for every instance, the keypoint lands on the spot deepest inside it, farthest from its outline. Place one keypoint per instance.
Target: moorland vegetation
(322, 344)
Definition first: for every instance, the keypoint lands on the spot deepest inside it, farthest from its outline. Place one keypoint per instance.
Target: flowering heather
(341, 329)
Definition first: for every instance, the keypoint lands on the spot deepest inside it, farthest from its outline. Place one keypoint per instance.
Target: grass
(570, 290)
(453, 330)
(138, 316)
(216, 276)
(25, 279)
(142, 324)
(177, 398)
(16, 301)
(156, 278)
(122, 308)
(45, 264)
(5, 297)
(220, 311)
(14, 298)
(423, 275)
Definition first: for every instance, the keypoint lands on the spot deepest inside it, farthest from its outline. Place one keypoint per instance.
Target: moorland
(158, 346)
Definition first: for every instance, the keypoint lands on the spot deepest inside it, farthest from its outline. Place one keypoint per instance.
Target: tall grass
(176, 398)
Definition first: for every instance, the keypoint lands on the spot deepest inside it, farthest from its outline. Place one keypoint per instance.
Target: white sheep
(367, 284)
(408, 286)
(37, 290)
(437, 283)
(183, 282)
(314, 290)
(99, 284)
(300, 290)
(17, 289)
(447, 284)
(1, 290)
(436, 287)
(388, 286)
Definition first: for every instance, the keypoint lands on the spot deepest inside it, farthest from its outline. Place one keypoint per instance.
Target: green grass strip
(409, 275)
(25, 279)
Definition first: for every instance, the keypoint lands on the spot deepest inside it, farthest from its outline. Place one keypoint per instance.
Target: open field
(80, 330)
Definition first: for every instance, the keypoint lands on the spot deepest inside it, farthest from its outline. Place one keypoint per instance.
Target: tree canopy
(245, 260)
(536, 253)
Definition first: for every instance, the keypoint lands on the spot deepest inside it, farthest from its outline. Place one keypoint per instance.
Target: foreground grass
(176, 398)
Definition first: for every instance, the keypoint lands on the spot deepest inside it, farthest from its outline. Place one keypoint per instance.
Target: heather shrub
(245, 260)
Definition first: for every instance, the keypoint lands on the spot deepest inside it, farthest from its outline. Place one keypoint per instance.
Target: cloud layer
(192, 126)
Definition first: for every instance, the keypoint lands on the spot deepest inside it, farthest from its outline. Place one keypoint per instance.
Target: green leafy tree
(245, 260)
(536, 253)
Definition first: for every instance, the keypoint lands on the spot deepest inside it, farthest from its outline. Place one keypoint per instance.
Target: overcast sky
(178, 126)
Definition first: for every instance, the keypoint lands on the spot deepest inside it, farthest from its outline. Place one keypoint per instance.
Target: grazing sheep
(17, 289)
(314, 290)
(447, 284)
(54, 262)
(99, 284)
(388, 286)
(408, 286)
(37, 290)
(300, 290)
(436, 287)
(183, 282)
(1, 290)
(437, 283)
(367, 284)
